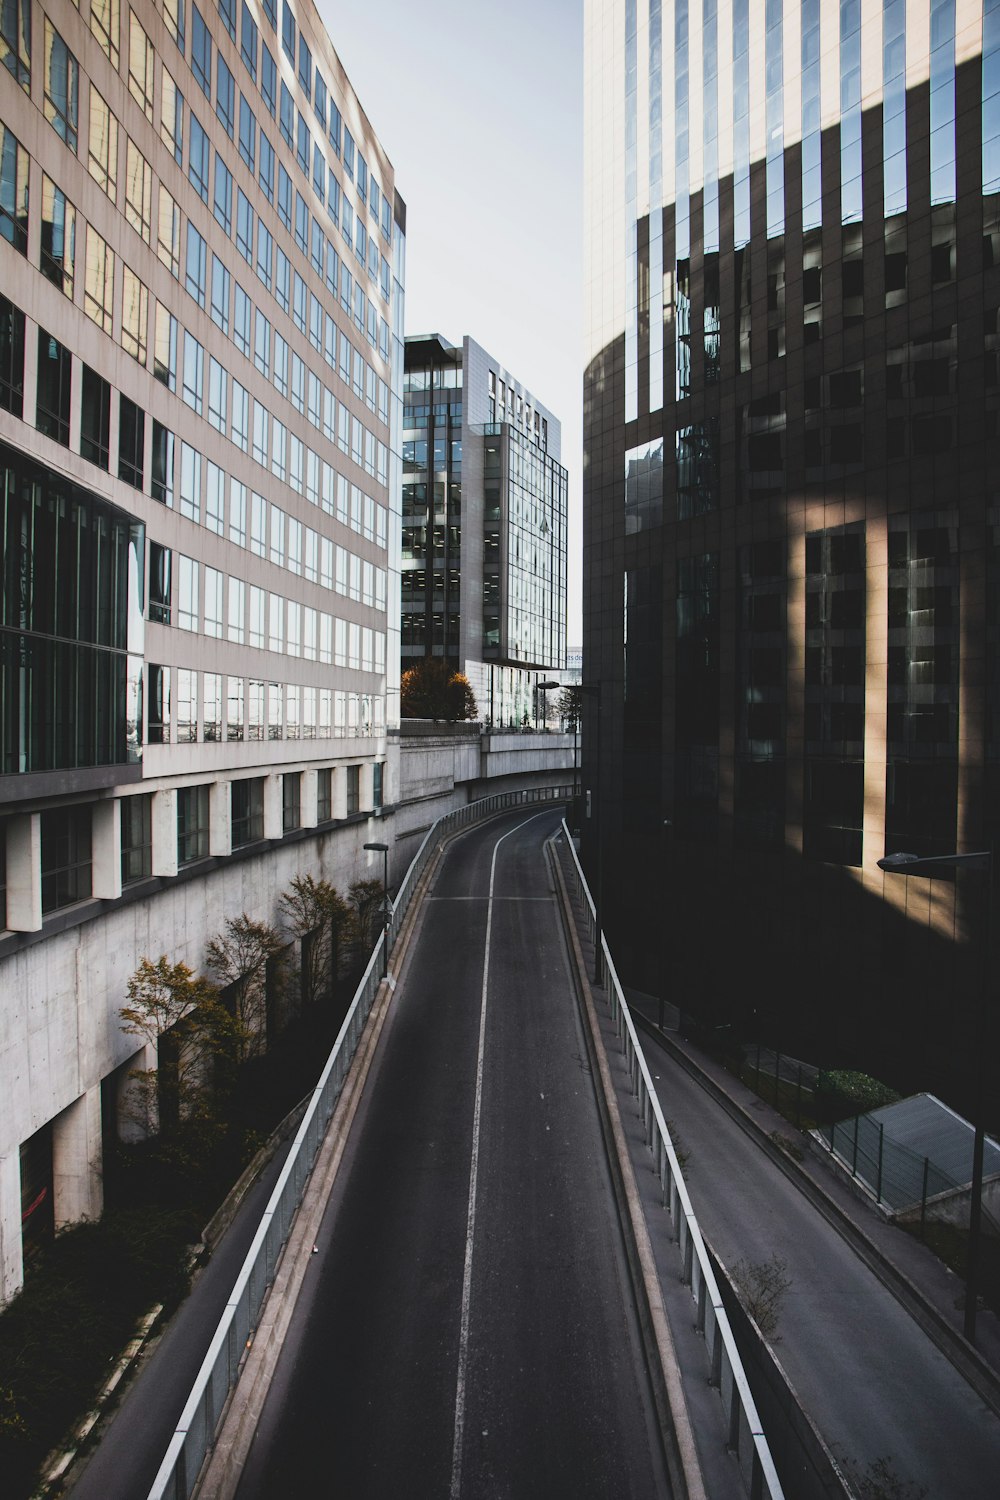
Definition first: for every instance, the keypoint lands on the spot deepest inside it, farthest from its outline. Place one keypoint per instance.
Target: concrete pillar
(135, 1103)
(164, 832)
(106, 849)
(24, 872)
(339, 792)
(75, 410)
(11, 1258)
(30, 408)
(307, 800)
(366, 792)
(77, 1184)
(220, 822)
(272, 807)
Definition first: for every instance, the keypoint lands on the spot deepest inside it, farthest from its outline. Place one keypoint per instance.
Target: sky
(480, 110)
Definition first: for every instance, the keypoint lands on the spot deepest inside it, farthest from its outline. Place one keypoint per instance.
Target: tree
(366, 899)
(239, 958)
(182, 1017)
(571, 708)
(432, 689)
(318, 916)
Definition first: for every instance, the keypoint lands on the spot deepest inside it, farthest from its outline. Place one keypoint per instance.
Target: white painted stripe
(463, 1339)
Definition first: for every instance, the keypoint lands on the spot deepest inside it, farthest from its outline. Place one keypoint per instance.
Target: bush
(856, 1092)
(61, 1334)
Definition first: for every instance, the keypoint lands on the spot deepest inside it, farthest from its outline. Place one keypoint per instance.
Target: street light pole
(981, 861)
(383, 849)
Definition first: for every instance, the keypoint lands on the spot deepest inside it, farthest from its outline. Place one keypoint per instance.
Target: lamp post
(595, 688)
(982, 861)
(543, 688)
(383, 849)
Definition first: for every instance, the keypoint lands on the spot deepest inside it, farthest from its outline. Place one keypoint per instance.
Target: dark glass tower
(790, 547)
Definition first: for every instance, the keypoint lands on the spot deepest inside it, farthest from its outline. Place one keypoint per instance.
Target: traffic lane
(870, 1378)
(467, 867)
(362, 1403)
(558, 1395)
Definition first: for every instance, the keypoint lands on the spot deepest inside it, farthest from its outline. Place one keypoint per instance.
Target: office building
(201, 312)
(791, 510)
(484, 526)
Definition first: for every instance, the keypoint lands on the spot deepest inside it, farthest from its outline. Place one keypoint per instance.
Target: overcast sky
(480, 109)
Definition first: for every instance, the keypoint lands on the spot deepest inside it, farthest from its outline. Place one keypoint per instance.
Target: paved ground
(414, 1366)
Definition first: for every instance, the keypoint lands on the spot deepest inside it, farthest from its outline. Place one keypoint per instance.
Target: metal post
(854, 1157)
(757, 1084)
(798, 1098)
(777, 1076)
(976, 1188)
(923, 1199)
(878, 1184)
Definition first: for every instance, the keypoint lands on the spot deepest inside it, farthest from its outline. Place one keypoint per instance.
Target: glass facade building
(790, 447)
(484, 539)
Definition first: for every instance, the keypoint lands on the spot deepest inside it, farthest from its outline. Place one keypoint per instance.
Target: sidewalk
(900, 1260)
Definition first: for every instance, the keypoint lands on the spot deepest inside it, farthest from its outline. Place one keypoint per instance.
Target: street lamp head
(545, 686)
(378, 848)
(896, 863)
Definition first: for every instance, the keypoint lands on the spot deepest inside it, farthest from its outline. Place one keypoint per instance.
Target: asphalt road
(872, 1381)
(451, 1342)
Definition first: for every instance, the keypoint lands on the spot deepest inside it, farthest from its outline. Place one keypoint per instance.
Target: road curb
(966, 1360)
(676, 1431)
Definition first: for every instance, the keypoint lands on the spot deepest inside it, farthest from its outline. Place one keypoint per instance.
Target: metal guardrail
(199, 1422)
(744, 1433)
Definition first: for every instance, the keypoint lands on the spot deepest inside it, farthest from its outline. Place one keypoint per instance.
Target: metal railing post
(878, 1185)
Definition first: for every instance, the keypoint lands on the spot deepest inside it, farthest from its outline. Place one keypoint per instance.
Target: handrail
(745, 1434)
(199, 1422)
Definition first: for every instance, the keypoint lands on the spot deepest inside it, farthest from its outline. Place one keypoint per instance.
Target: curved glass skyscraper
(791, 507)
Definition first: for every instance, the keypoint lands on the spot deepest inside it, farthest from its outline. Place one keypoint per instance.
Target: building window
(173, 15)
(99, 281)
(172, 118)
(196, 265)
(198, 158)
(135, 316)
(138, 191)
(211, 701)
(57, 258)
(66, 857)
(62, 85)
(201, 52)
(53, 392)
(324, 795)
(162, 477)
(11, 358)
(220, 295)
(235, 708)
(165, 348)
(291, 801)
(105, 23)
(102, 154)
(248, 42)
(225, 96)
(15, 40)
(137, 838)
(353, 789)
(186, 707)
(247, 811)
(131, 442)
(95, 418)
(159, 583)
(248, 134)
(140, 67)
(192, 821)
(168, 241)
(13, 191)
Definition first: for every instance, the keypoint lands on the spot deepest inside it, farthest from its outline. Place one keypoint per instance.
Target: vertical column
(220, 822)
(272, 807)
(366, 787)
(106, 836)
(76, 1160)
(308, 817)
(11, 1257)
(339, 792)
(164, 831)
(24, 872)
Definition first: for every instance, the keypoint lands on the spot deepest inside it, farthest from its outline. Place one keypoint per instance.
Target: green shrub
(857, 1092)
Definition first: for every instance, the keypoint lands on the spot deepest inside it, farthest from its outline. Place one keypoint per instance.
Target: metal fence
(199, 1422)
(744, 1434)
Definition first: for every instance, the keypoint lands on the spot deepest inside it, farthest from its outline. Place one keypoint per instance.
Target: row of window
(184, 706)
(66, 842)
(193, 596)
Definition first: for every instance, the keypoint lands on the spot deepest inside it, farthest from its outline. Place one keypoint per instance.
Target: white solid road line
(463, 1341)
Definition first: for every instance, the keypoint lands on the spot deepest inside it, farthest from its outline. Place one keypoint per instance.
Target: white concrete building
(201, 313)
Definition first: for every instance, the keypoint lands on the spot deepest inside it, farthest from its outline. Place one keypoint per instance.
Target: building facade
(201, 314)
(791, 541)
(484, 540)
